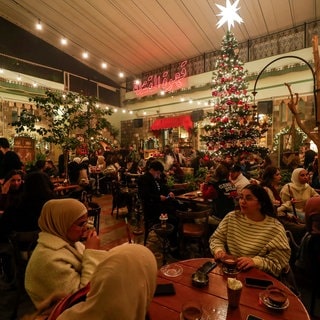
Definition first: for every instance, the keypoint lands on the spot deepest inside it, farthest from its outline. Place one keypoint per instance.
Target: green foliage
(285, 176)
(63, 116)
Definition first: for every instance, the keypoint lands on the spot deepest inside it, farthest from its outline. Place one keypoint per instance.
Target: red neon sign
(155, 83)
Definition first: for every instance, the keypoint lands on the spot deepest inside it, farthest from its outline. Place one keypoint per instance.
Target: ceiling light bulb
(64, 41)
(85, 55)
(115, 110)
(130, 112)
(123, 111)
(18, 77)
(137, 81)
(121, 74)
(104, 65)
(1, 71)
(39, 25)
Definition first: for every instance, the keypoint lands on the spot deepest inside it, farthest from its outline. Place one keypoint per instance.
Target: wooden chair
(194, 225)
(94, 211)
(120, 199)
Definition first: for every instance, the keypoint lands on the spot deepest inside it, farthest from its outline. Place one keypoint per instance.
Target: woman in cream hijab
(297, 192)
(295, 195)
(60, 262)
(121, 288)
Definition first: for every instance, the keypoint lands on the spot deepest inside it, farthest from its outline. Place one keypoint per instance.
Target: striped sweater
(264, 241)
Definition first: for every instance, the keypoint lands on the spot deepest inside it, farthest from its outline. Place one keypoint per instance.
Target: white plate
(172, 270)
(265, 300)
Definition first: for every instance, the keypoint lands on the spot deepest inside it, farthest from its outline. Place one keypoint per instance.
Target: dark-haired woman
(24, 214)
(271, 182)
(253, 234)
(11, 189)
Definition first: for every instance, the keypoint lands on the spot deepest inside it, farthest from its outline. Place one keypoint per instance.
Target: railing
(286, 41)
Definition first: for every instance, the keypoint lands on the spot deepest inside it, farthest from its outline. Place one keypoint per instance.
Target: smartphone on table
(257, 283)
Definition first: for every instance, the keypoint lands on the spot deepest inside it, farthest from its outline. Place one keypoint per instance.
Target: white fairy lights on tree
(234, 126)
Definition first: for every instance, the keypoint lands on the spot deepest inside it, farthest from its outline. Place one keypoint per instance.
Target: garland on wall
(301, 136)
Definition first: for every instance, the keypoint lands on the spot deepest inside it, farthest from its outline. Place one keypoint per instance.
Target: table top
(63, 188)
(193, 196)
(214, 297)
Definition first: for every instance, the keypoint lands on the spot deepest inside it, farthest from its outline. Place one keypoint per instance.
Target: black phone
(257, 283)
(165, 289)
(252, 317)
(207, 267)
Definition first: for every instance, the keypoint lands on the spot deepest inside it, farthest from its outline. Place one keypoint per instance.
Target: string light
(64, 41)
(39, 25)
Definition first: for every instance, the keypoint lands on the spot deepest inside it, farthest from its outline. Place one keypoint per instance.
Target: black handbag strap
(293, 206)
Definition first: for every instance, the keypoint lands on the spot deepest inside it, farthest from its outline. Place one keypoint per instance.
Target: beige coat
(56, 266)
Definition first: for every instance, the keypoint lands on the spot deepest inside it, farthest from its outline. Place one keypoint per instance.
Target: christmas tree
(233, 127)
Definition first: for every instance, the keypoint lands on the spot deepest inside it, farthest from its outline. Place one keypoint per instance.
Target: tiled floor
(114, 232)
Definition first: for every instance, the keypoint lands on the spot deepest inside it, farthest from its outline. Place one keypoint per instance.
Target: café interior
(150, 64)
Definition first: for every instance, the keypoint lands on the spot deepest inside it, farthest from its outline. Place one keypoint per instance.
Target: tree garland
(301, 135)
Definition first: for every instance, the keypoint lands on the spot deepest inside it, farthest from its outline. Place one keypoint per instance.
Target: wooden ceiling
(136, 36)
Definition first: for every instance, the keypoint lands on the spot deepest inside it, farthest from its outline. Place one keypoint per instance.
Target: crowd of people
(251, 212)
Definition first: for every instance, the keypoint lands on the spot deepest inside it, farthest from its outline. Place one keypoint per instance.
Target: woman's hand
(6, 186)
(93, 241)
(245, 263)
(219, 255)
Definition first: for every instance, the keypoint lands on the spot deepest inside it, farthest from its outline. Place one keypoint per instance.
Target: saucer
(172, 270)
(265, 300)
(227, 272)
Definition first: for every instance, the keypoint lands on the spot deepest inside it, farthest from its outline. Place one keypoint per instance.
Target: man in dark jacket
(156, 199)
(9, 161)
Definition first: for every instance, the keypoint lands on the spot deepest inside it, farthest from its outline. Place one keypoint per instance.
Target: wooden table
(63, 190)
(214, 297)
(192, 196)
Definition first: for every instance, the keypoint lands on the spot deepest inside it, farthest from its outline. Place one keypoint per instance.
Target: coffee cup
(191, 310)
(229, 264)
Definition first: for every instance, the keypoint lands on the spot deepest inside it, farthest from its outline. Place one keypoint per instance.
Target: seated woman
(113, 292)
(60, 262)
(22, 216)
(253, 234)
(295, 194)
(11, 189)
(271, 182)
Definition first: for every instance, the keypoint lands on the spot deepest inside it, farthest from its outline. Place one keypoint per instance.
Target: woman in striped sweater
(253, 234)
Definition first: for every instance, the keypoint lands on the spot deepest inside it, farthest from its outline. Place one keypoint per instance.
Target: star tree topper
(229, 14)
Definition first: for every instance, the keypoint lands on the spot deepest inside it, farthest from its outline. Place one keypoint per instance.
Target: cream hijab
(295, 180)
(58, 215)
(122, 286)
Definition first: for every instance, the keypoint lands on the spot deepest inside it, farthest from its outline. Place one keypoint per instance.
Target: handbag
(69, 301)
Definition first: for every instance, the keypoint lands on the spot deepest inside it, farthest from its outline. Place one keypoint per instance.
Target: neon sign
(155, 83)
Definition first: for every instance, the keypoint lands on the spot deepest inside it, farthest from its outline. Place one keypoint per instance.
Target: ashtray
(171, 270)
(200, 279)
(274, 298)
